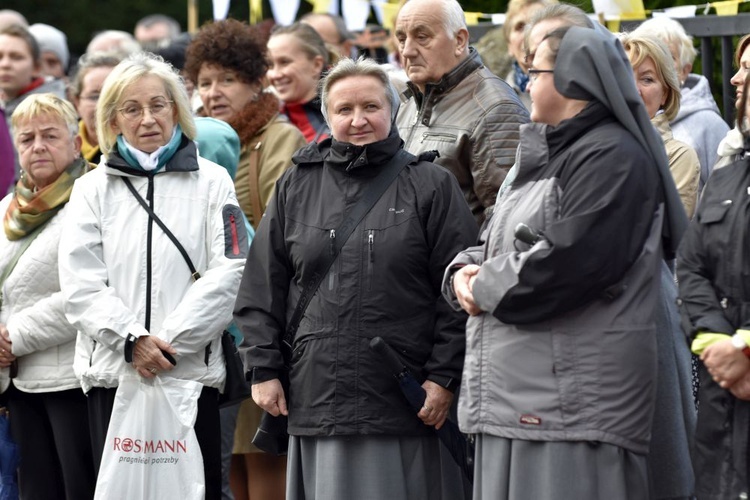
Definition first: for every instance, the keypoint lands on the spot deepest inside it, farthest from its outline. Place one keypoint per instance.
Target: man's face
(427, 51)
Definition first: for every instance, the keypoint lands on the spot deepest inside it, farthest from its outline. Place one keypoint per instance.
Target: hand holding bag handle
(271, 436)
(236, 388)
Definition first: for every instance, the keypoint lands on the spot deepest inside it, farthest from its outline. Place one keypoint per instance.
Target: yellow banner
(728, 8)
(320, 6)
(472, 18)
(256, 11)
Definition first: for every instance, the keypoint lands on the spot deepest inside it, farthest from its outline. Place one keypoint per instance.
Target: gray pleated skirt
(363, 468)
(510, 469)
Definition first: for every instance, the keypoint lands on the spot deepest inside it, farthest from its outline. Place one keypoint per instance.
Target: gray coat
(566, 350)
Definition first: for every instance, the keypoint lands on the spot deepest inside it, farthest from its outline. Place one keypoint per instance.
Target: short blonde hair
(641, 46)
(37, 105)
(125, 74)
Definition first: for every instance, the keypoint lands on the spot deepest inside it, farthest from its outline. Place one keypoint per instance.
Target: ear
(462, 41)
(115, 127)
(318, 64)
(77, 145)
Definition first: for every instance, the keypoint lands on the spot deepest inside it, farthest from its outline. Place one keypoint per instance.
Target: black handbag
(272, 436)
(236, 387)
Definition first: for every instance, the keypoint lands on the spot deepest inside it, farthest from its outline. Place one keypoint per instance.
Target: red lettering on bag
(129, 445)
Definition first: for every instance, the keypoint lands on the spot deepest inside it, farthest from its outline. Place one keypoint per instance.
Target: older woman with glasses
(127, 288)
(85, 90)
(37, 343)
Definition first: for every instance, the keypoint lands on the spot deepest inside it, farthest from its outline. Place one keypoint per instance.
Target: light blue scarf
(149, 161)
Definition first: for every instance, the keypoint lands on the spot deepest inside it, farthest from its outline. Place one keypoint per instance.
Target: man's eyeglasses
(158, 109)
(534, 73)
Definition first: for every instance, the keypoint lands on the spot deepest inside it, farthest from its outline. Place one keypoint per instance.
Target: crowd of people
(553, 255)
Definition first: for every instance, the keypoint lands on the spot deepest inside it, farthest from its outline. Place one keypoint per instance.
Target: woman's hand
(436, 405)
(725, 363)
(269, 395)
(148, 359)
(463, 285)
(6, 348)
(741, 388)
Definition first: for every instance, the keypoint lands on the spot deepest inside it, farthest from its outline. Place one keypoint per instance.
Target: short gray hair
(453, 17)
(670, 32)
(346, 68)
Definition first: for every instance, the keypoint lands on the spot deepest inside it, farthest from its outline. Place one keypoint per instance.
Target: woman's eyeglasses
(158, 109)
(534, 73)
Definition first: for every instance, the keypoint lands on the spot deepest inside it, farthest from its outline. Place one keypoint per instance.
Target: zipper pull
(235, 238)
(332, 237)
(371, 241)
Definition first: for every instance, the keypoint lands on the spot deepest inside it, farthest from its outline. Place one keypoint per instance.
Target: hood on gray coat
(696, 96)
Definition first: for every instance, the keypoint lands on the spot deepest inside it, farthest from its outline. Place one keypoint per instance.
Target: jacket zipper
(332, 273)
(150, 197)
(235, 241)
(438, 135)
(371, 257)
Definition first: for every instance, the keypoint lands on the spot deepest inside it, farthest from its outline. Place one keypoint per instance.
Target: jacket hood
(696, 96)
(592, 65)
(218, 142)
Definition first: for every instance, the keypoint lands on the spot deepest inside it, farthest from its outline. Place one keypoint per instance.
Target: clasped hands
(729, 367)
(463, 287)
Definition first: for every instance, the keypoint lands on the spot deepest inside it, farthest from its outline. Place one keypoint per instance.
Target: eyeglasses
(158, 109)
(534, 73)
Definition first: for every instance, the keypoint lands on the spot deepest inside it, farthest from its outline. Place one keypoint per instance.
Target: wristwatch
(739, 343)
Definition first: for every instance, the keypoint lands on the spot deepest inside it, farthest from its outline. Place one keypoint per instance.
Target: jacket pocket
(438, 137)
(714, 213)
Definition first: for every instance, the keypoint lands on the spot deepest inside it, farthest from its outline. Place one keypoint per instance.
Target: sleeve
(686, 172)
(494, 142)
(450, 227)
(91, 306)
(606, 210)
(260, 309)
(206, 309)
(280, 145)
(40, 326)
(699, 304)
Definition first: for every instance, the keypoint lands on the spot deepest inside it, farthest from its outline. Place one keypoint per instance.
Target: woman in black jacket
(352, 433)
(713, 268)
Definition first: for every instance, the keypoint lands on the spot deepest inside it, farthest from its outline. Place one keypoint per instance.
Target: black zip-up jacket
(385, 282)
(713, 268)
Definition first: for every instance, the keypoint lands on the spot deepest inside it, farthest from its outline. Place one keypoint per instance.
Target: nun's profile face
(546, 102)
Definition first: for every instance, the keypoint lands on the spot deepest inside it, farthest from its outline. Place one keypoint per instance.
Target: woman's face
(45, 148)
(738, 80)
(517, 26)
(358, 110)
(17, 66)
(223, 93)
(152, 129)
(293, 73)
(91, 87)
(546, 101)
(652, 90)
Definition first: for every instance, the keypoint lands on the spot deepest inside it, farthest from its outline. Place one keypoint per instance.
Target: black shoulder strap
(351, 220)
(164, 228)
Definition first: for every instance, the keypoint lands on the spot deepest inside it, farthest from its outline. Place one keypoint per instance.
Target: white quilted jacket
(32, 309)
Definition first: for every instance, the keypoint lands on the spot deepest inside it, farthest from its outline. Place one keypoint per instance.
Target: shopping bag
(151, 451)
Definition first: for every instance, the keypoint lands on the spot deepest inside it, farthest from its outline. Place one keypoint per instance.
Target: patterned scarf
(521, 78)
(30, 209)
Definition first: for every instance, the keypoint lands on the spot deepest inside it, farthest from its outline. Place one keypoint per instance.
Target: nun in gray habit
(559, 379)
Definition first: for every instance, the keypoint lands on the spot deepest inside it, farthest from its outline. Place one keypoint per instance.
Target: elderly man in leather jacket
(455, 105)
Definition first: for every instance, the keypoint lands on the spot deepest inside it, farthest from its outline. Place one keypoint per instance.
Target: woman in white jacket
(128, 290)
(49, 418)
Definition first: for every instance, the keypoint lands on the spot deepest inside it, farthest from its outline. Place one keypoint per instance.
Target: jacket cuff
(259, 374)
(444, 381)
(130, 341)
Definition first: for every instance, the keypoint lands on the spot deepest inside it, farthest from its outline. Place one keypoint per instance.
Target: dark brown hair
(229, 44)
